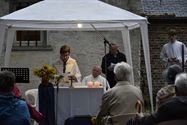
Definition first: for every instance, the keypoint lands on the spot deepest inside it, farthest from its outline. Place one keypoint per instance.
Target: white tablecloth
(77, 101)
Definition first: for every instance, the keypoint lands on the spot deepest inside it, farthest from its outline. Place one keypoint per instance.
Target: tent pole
(9, 43)
(145, 42)
(127, 47)
(2, 38)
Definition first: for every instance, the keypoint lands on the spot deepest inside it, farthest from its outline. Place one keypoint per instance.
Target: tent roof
(65, 14)
(72, 10)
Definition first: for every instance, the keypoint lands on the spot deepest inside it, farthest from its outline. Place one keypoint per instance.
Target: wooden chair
(122, 119)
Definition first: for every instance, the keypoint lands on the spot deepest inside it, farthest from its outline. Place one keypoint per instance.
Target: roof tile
(165, 7)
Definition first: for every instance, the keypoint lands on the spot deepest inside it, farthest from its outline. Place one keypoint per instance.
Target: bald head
(113, 48)
(96, 70)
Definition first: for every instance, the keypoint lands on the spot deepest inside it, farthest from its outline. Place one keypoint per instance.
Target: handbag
(36, 115)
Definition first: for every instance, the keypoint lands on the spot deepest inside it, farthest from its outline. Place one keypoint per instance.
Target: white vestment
(99, 79)
(173, 50)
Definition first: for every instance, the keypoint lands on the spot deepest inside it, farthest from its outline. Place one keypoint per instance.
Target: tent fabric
(73, 10)
(64, 15)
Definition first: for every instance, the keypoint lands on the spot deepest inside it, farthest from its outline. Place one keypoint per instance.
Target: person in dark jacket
(109, 61)
(173, 109)
(13, 111)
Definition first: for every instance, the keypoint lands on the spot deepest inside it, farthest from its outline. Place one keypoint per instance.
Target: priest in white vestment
(171, 52)
(67, 66)
(96, 78)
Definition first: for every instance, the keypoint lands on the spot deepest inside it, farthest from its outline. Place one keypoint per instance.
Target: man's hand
(173, 60)
(111, 67)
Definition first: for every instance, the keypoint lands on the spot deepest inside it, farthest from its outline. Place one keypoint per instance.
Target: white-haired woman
(122, 97)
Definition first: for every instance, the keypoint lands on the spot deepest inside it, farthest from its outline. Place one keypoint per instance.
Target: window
(31, 40)
(28, 40)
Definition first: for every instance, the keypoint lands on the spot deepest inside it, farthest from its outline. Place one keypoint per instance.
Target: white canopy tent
(64, 15)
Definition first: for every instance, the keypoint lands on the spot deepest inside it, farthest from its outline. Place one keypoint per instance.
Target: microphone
(107, 42)
(57, 78)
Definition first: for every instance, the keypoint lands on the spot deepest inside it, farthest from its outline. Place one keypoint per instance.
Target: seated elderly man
(122, 97)
(175, 108)
(169, 90)
(96, 77)
(13, 111)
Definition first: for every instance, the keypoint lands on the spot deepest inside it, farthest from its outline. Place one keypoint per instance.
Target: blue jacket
(13, 111)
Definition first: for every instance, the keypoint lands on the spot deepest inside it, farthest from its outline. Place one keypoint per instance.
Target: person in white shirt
(96, 77)
(171, 52)
(67, 65)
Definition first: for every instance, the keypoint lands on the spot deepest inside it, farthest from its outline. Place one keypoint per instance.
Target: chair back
(121, 119)
(173, 122)
(31, 96)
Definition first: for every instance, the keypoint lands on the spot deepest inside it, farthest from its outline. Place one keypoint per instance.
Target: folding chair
(121, 119)
(31, 96)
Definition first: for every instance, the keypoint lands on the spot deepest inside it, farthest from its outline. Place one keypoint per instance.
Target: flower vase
(46, 103)
(45, 81)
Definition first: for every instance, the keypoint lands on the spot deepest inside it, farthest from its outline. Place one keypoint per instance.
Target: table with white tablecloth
(77, 101)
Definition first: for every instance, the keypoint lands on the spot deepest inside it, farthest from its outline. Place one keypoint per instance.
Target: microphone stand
(57, 80)
(183, 57)
(105, 44)
(105, 58)
(57, 85)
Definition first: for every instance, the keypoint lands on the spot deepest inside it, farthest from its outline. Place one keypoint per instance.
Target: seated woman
(168, 91)
(13, 111)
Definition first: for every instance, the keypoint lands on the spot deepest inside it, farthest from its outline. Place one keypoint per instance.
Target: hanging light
(79, 25)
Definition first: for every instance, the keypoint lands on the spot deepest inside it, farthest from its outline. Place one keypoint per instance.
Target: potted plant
(46, 72)
(46, 93)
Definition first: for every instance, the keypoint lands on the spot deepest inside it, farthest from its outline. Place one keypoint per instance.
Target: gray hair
(170, 73)
(181, 83)
(122, 71)
(7, 80)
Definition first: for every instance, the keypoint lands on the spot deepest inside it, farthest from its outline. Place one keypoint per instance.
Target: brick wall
(157, 38)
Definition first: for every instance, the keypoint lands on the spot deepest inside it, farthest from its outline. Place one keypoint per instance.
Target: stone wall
(4, 7)
(86, 47)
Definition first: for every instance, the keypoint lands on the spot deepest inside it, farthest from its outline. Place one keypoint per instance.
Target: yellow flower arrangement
(46, 72)
(93, 120)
